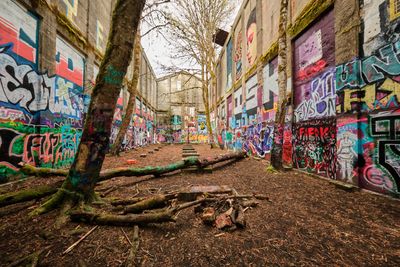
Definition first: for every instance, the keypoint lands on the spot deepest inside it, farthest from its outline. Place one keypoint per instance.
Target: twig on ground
(70, 248)
(126, 236)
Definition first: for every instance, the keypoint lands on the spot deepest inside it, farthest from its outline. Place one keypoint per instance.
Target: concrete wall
(343, 82)
(49, 57)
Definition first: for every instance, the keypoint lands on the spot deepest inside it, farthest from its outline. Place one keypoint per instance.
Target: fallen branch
(130, 261)
(127, 201)
(8, 211)
(70, 248)
(121, 220)
(126, 236)
(149, 170)
(205, 163)
(155, 202)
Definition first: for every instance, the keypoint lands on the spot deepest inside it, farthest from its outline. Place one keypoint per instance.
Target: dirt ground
(309, 222)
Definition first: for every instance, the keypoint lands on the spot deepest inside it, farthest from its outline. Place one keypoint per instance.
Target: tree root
(33, 259)
(42, 172)
(59, 196)
(28, 194)
(121, 220)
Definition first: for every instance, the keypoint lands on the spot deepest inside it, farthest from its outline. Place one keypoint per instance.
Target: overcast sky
(158, 50)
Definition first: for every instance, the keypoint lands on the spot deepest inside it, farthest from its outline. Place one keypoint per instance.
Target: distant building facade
(180, 109)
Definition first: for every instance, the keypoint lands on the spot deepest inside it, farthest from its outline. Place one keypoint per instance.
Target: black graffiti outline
(383, 146)
(390, 144)
(7, 139)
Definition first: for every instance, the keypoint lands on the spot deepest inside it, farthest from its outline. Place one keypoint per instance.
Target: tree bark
(155, 202)
(28, 194)
(277, 146)
(86, 167)
(132, 85)
(206, 105)
(237, 155)
(121, 220)
(149, 170)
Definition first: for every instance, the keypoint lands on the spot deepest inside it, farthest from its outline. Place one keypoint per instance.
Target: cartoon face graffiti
(251, 36)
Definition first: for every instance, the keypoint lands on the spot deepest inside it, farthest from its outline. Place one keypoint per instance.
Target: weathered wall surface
(343, 122)
(49, 58)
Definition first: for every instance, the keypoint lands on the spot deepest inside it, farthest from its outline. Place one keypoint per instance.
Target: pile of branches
(224, 211)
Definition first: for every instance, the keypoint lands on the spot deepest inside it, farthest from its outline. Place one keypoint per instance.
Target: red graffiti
(305, 133)
(311, 70)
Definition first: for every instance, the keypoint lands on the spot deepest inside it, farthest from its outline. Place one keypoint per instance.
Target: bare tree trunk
(132, 96)
(277, 146)
(84, 172)
(206, 105)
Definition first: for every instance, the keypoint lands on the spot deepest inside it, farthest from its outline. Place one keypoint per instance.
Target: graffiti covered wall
(314, 128)
(343, 120)
(140, 131)
(40, 115)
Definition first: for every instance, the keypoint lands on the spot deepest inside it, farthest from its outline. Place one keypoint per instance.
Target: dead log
(205, 162)
(154, 202)
(41, 191)
(250, 203)
(28, 194)
(149, 170)
(121, 220)
(117, 172)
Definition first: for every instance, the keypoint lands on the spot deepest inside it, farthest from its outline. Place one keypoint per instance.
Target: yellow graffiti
(390, 85)
(72, 9)
(369, 96)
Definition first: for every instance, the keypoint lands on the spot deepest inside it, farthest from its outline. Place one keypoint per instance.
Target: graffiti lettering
(315, 147)
(322, 101)
(358, 73)
(22, 85)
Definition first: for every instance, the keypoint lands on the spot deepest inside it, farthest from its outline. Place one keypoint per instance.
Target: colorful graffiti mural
(371, 83)
(140, 130)
(40, 115)
(314, 144)
(251, 38)
(19, 28)
(229, 48)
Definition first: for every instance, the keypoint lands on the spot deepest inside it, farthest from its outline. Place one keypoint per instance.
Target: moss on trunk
(95, 139)
(28, 194)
